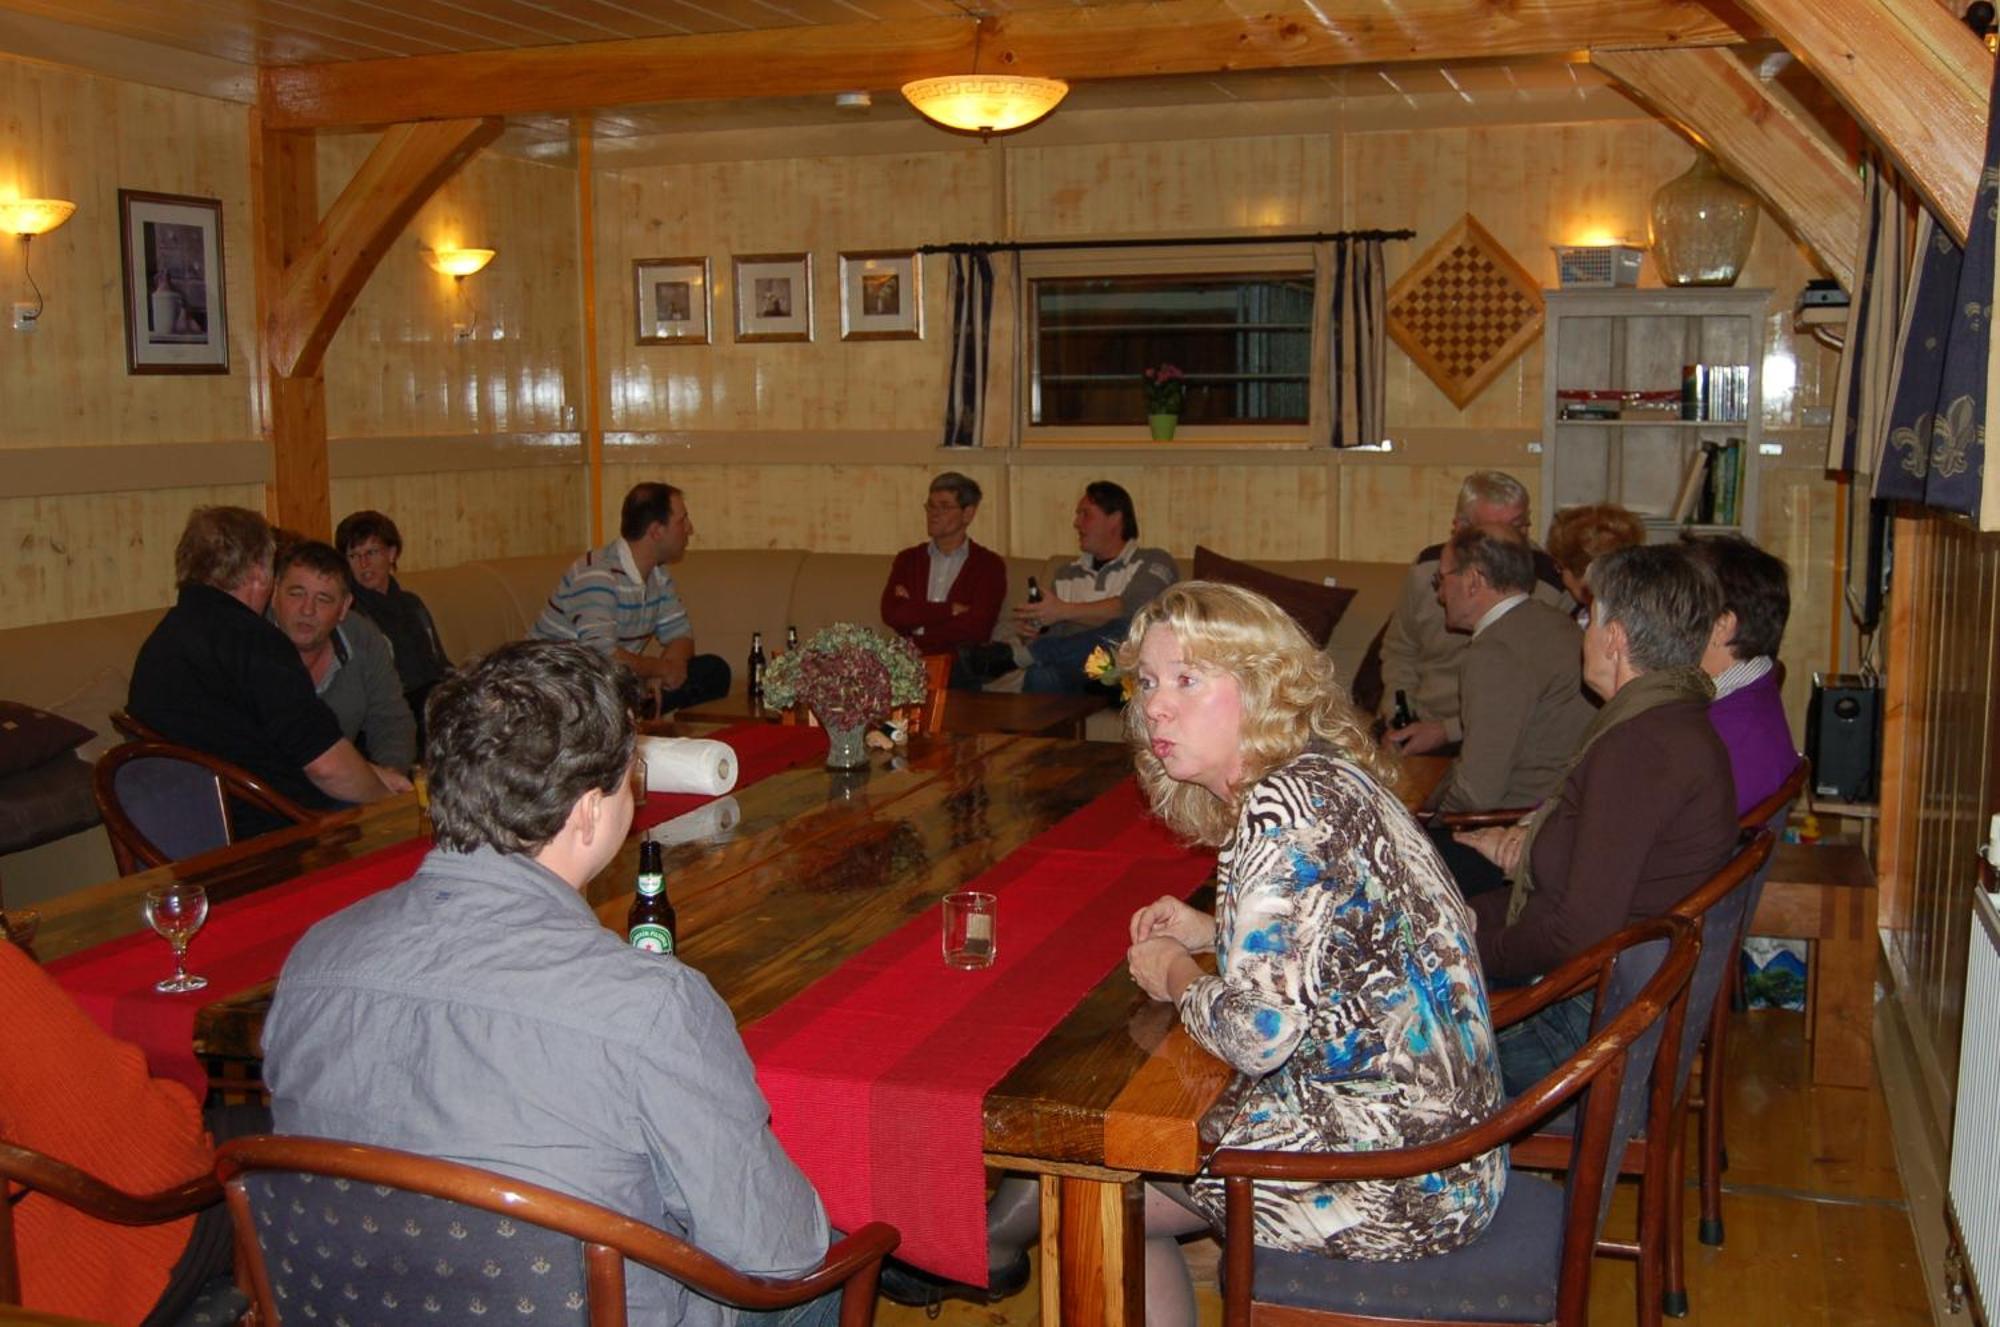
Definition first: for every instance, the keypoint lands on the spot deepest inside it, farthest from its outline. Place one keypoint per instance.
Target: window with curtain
(1244, 340)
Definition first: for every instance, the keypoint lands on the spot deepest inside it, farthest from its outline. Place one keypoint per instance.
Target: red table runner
(247, 939)
(877, 1074)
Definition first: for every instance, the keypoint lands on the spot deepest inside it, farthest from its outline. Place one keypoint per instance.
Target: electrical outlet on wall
(26, 317)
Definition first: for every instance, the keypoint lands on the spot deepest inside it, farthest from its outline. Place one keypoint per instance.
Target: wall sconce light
(984, 104)
(459, 264)
(29, 217)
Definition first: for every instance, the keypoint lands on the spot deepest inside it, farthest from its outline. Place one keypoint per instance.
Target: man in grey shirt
(352, 665)
(479, 1012)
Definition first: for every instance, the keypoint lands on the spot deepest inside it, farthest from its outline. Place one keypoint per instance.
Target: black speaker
(1844, 737)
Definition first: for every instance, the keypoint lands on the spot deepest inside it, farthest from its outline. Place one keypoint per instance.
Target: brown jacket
(1647, 814)
(1522, 707)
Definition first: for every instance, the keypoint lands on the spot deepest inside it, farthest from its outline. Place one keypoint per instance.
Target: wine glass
(177, 911)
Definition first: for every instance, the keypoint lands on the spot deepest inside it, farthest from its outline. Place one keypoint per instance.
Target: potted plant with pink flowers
(1166, 392)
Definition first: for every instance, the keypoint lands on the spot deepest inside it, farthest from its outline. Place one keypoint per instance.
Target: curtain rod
(1032, 246)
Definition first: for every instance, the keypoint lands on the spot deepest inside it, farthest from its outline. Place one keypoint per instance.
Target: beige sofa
(81, 668)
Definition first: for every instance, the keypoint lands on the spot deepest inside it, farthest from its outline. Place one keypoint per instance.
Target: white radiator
(1973, 1197)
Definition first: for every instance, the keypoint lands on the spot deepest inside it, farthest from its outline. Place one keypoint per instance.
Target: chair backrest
(1641, 1002)
(328, 1229)
(162, 803)
(75, 1188)
(937, 676)
(1771, 814)
(1720, 906)
(132, 729)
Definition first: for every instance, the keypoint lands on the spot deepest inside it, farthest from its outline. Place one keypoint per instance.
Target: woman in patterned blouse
(1347, 981)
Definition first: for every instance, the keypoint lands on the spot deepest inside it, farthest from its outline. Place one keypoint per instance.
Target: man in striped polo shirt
(620, 601)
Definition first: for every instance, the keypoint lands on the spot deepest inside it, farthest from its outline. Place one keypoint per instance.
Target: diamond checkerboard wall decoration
(1464, 311)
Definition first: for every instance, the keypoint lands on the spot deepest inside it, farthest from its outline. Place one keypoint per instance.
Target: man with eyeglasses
(947, 591)
(1420, 652)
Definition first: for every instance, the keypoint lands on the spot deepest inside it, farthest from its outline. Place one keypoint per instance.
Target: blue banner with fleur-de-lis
(1935, 452)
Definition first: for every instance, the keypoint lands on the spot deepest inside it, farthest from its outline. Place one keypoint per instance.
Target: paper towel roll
(687, 765)
(716, 820)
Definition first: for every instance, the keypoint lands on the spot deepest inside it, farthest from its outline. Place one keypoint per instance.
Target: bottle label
(650, 885)
(652, 937)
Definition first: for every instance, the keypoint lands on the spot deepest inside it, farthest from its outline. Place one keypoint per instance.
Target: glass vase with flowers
(849, 677)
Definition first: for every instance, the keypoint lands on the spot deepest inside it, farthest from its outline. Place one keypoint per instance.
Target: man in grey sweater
(352, 665)
(479, 1011)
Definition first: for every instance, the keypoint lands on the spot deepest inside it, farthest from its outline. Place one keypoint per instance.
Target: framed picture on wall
(774, 296)
(881, 296)
(672, 301)
(175, 319)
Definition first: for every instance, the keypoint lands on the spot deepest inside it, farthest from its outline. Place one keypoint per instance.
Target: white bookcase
(1631, 351)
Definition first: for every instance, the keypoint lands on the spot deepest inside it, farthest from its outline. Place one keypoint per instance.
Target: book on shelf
(1712, 490)
(1693, 481)
(1715, 392)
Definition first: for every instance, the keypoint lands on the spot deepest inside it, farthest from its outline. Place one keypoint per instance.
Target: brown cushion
(45, 803)
(30, 737)
(1316, 608)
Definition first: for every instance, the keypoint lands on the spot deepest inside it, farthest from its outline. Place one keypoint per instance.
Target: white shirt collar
(1742, 673)
(627, 561)
(1498, 611)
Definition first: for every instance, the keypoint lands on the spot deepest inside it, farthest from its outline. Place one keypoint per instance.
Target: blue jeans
(1058, 660)
(1531, 1049)
(821, 1312)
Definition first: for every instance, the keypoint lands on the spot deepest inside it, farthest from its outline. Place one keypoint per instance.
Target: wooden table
(1824, 893)
(821, 866)
(964, 712)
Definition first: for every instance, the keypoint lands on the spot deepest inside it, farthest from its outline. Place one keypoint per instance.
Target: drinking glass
(177, 911)
(969, 936)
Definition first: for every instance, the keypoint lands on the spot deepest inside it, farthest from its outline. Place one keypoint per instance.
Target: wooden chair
(163, 802)
(66, 1184)
(1653, 1156)
(546, 1247)
(131, 729)
(1533, 1262)
(1706, 1100)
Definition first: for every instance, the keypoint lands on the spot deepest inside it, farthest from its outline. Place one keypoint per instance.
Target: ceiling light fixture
(984, 104)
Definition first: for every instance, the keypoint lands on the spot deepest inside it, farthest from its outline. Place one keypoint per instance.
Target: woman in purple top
(1748, 712)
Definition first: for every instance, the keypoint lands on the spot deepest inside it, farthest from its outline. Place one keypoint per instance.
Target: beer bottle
(1034, 591)
(756, 669)
(791, 640)
(650, 923)
(1404, 715)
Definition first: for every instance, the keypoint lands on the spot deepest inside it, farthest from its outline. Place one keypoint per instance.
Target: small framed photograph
(774, 296)
(672, 301)
(175, 320)
(881, 296)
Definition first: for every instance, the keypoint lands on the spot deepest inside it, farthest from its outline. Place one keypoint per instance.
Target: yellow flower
(1098, 664)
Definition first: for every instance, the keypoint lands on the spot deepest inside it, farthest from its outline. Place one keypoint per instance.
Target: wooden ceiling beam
(321, 284)
(1914, 76)
(1761, 135)
(1119, 40)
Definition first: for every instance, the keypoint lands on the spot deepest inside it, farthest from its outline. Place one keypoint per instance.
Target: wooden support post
(1764, 138)
(1912, 74)
(593, 392)
(310, 270)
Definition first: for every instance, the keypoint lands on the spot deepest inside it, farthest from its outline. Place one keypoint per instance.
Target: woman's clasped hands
(1166, 933)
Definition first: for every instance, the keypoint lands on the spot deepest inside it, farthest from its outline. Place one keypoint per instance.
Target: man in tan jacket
(1521, 689)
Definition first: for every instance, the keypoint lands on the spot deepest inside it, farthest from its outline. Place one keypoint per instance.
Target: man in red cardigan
(947, 591)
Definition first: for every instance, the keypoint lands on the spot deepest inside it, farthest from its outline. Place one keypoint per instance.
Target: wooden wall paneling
(1796, 514)
(63, 563)
(584, 139)
(1904, 727)
(1762, 136)
(818, 205)
(395, 368)
(77, 136)
(456, 516)
(1915, 77)
(1094, 41)
(1175, 186)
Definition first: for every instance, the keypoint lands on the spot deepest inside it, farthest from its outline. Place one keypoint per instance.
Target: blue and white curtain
(1935, 451)
(971, 344)
(1882, 271)
(1357, 341)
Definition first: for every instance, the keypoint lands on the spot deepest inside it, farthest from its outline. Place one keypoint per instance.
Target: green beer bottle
(650, 923)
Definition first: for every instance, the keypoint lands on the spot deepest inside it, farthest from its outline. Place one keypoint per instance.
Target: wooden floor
(1817, 1228)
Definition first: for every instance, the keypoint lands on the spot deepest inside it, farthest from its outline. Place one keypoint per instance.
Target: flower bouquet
(1166, 389)
(1103, 669)
(849, 676)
